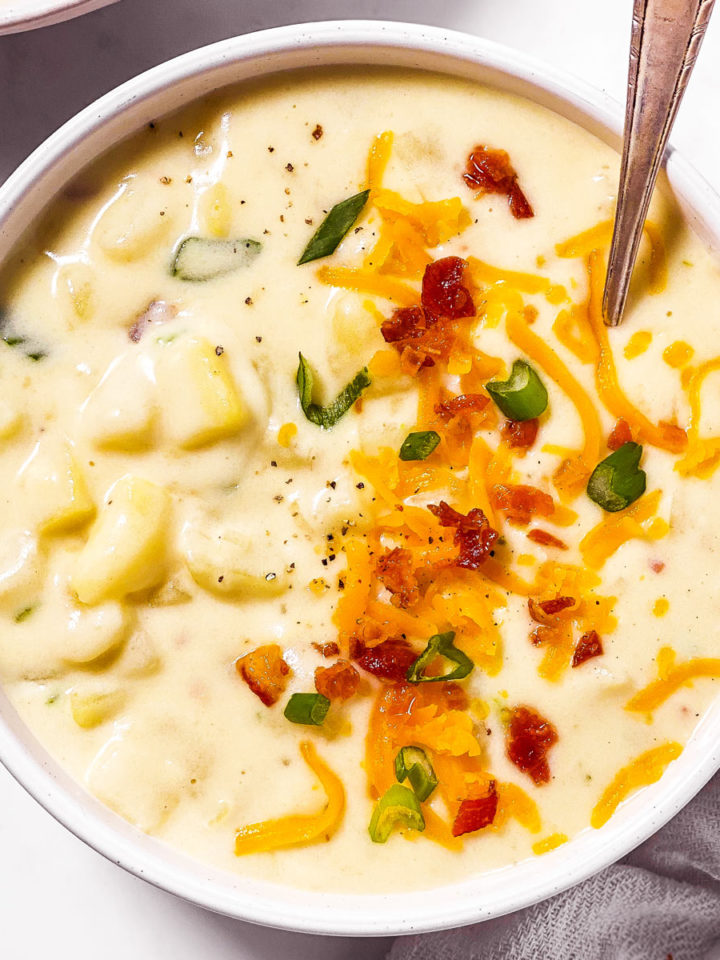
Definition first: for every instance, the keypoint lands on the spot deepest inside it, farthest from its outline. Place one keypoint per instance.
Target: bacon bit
(546, 539)
(443, 291)
(337, 682)
(157, 311)
(620, 434)
(389, 660)
(549, 608)
(588, 646)
(520, 433)
(465, 403)
(317, 132)
(395, 571)
(521, 502)
(657, 566)
(330, 649)
(451, 695)
(476, 813)
(529, 737)
(491, 172)
(265, 672)
(406, 323)
(473, 534)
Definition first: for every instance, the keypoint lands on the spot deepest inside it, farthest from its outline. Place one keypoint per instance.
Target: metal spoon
(666, 38)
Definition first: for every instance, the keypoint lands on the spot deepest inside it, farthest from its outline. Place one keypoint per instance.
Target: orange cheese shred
(702, 456)
(573, 473)
(364, 280)
(640, 772)
(657, 692)
(549, 843)
(614, 530)
(298, 829)
(378, 159)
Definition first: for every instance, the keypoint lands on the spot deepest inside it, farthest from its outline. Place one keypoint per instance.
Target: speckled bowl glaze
(34, 184)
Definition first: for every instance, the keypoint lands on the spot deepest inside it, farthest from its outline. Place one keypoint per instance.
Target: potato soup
(342, 544)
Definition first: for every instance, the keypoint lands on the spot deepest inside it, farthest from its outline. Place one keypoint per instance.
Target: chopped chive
(328, 416)
(412, 762)
(617, 481)
(14, 341)
(441, 645)
(307, 708)
(23, 614)
(397, 807)
(336, 224)
(419, 446)
(522, 396)
(205, 258)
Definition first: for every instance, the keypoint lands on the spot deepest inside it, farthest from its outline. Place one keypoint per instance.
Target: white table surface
(59, 899)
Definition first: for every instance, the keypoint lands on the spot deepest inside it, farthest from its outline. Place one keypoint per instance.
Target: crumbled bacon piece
(395, 571)
(453, 696)
(657, 566)
(529, 738)
(619, 435)
(520, 502)
(406, 323)
(444, 293)
(476, 812)
(337, 682)
(465, 403)
(490, 171)
(473, 534)
(520, 433)
(389, 660)
(541, 612)
(546, 539)
(588, 646)
(330, 649)
(265, 672)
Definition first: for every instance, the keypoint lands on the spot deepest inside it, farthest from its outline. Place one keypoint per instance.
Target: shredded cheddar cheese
(298, 829)
(640, 772)
(670, 681)
(549, 843)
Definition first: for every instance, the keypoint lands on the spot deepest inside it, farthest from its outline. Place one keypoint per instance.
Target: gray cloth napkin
(663, 900)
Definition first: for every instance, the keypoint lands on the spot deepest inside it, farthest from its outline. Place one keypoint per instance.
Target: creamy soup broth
(129, 677)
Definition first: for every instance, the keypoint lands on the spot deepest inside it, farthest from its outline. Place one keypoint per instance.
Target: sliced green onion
(336, 224)
(617, 481)
(307, 708)
(328, 416)
(418, 446)
(397, 807)
(441, 645)
(522, 396)
(24, 614)
(412, 762)
(204, 258)
(17, 341)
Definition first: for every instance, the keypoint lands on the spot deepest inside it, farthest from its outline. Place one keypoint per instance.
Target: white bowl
(22, 15)
(43, 174)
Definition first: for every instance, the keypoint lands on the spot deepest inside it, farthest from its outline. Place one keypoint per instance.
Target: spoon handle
(666, 38)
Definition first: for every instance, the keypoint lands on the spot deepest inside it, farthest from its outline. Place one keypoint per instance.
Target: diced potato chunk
(92, 633)
(20, 566)
(355, 332)
(134, 223)
(230, 564)
(11, 419)
(56, 487)
(200, 402)
(120, 412)
(143, 775)
(92, 709)
(126, 550)
(140, 657)
(75, 292)
(216, 210)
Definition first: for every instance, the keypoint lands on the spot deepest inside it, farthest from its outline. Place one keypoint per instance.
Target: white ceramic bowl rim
(23, 15)
(480, 897)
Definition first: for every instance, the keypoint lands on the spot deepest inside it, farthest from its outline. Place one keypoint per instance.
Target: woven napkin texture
(663, 900)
